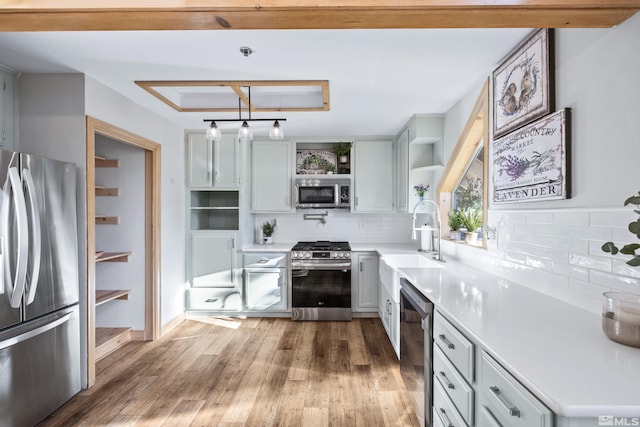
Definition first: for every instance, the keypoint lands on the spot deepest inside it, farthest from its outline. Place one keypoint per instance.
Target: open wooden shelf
(103, 191)
(110, 339)
(103, 296)
(101, 162)
(103, 219)
(112, 256)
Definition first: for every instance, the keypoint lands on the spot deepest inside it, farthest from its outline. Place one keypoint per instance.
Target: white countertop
(557, 350)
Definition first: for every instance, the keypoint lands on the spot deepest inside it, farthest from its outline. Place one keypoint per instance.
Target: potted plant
(342, 150)
(455, 223)
(267, 232)
(621, 310)
(634, 228)
(471, 219)
(420, 190)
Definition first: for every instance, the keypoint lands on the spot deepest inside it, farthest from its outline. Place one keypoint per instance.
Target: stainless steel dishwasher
(416, 347)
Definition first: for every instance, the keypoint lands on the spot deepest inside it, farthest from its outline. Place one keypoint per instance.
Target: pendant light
(213, 133)
(245, 131)
(276, 131)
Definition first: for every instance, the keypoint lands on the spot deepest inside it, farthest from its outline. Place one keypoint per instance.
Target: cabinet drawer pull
(449, 383)
(491, 416)
(444, 414)
(211, 300)
(448, 343)
(512, 410)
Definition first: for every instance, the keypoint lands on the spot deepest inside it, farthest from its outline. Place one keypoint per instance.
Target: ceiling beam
(95, 15)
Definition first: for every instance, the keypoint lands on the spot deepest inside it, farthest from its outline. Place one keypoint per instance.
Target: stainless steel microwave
(323, 193)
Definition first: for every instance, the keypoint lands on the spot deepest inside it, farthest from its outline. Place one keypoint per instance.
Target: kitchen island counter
(557, 350)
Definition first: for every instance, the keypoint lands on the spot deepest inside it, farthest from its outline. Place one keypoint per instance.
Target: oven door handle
(335, 266)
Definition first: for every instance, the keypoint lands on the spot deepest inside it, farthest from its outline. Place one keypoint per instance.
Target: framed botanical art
(530, 163)
(523, 84)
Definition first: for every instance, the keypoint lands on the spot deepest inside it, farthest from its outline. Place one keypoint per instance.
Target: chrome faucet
(437, 256)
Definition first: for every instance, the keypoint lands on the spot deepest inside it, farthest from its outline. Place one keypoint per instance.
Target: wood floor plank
(248, 372)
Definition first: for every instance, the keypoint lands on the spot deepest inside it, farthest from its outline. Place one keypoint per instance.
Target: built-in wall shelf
(109, 192)
(103, 219)
(112, 256)
(110, 339)
(103, 296)
(102, 162)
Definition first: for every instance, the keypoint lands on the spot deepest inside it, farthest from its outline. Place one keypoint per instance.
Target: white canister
(426, 239)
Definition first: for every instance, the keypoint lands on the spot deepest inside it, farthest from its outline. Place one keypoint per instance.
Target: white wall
(554, 246)
(107, 105)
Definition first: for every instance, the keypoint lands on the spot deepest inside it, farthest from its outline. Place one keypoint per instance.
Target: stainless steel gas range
(321, 281)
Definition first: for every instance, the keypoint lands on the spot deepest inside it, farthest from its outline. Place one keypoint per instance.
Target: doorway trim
(152, 231)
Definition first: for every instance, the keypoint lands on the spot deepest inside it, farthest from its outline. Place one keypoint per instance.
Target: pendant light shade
(213, 133)
(276, 131)
(245, 131)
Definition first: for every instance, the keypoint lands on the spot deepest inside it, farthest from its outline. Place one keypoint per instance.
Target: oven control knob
(307, 254)
(294, 255)
(340, 255)
(347, 255)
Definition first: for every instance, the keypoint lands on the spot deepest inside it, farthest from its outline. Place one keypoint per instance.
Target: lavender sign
(531, 163)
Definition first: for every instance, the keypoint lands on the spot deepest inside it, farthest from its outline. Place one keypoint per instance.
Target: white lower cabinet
(505, 401)
(364, 280)
(389, 303)
(265, 282)
(490, 398)
(444, 409)
(214, 282)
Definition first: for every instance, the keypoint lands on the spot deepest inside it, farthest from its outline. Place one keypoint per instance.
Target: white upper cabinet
(7, 109)
(213, 164)
(271, 178)
(373, 178)
(419, 154)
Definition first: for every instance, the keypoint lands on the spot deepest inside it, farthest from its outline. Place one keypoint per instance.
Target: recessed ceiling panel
(273, 95)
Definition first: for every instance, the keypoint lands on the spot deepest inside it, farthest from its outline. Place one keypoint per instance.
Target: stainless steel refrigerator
(39, 315)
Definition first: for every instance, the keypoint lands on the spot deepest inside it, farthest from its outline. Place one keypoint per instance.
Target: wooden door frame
(152, 231)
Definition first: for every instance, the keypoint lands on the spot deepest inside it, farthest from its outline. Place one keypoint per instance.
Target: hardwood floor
(248, 372)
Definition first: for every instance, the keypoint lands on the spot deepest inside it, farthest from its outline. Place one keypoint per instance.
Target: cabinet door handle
(448, 343)
(216, 176)
(361, 266)
(446, 380)
(444, 414)
(512, 410)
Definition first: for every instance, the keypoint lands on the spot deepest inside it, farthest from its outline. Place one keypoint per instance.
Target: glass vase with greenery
(634, 228)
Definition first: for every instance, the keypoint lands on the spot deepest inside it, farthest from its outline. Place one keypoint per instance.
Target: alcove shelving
(109, 339)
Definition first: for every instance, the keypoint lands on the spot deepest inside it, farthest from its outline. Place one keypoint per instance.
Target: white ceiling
(377, 78)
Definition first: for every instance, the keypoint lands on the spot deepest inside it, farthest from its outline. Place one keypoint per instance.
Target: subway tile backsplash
(557, 252)
(340, 226)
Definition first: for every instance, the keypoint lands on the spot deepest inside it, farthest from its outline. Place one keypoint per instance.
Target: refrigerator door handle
(35, 233)
(17, 287)
(34, 332)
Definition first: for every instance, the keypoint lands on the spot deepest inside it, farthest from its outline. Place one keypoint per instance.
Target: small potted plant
(342, 150)
(420, 190)
(267, 232)
(455, 223)
(471, 219)
(634, 228)
(621, 310)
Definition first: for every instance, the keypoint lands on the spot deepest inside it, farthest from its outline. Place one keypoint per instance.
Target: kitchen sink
(409, 260)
